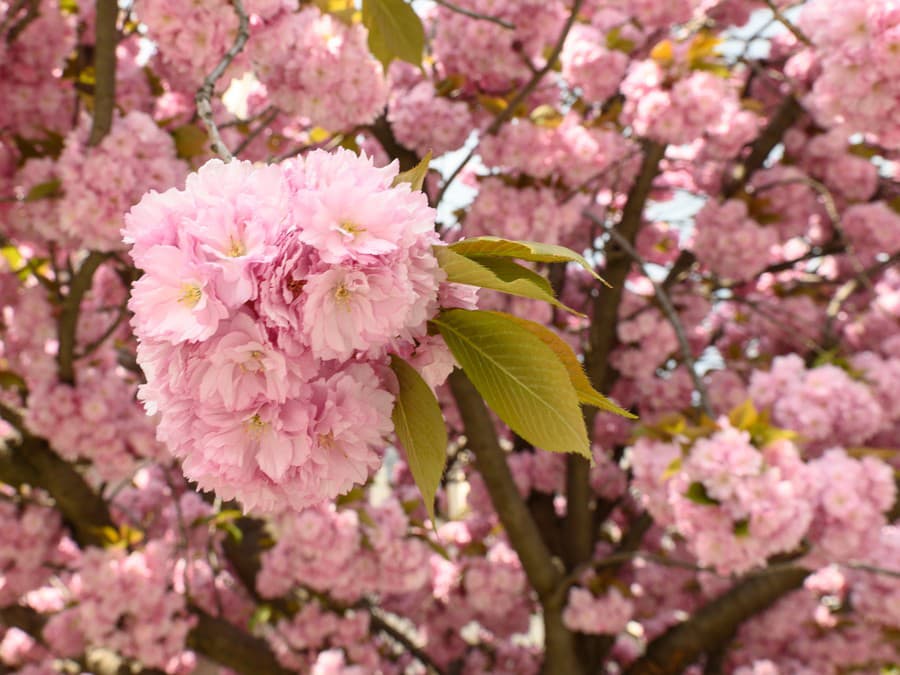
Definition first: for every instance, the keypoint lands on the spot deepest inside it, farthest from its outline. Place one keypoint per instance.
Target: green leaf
(697, 493)
(742, 528)
(46, 190)
(583, 388)
(498, 274)
(395, 31)
(524, 250)
(519, 376)
(420, 429)
(416, 175)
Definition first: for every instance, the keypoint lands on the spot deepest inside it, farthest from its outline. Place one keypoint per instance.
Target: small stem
(204, 94)
(787, 23)
(517, 100)
(669, 310)
(475, 15)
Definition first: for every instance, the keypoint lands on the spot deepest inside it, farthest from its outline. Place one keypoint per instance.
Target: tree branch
(519, 98)
(232, 647)
(475, 15)
(670, 312)
(782, 119)
(543, 574)
(105, 40)
(601, 341)
(787, 23)
(67, 324)
(379, 622)
(204, 94)
(716, 622)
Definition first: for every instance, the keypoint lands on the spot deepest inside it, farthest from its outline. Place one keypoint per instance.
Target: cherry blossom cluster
(491, 57)
(735, 504)
(607, 614)
(322, 642)
(35, 100)
(267, 310)
(124, 601)
(95, 197)
(316, 67)
(856, 47)
(729, 242)
(681, 112)
(423, 121)
(528, 214)
(568, 150)
(30, 548)
(191, 37)
(825, 405)
(336, 551)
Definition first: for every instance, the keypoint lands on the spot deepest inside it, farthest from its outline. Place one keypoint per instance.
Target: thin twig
(667, 307)
(849, 288)
(93, 346)
(264, 123)
(379, 622)
(204, 94)
(787, 23)
(475, 15)
(517, 100)
(863, 567)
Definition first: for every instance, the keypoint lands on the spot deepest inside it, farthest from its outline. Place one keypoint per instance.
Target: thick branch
(715, 623)
(105, 38)
(34, 463)
(232, 647)
(782, 119)
(508, 503)
(543, 574)
(602, 337)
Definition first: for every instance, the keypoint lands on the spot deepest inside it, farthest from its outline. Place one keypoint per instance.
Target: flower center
(255, 427)
(253, 364)
(342, 294)
(236, 248)
(190, 295)
(351, 229)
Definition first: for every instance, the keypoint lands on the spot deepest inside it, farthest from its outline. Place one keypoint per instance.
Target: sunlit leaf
(395, 31)
(498, 274)
(519, 376)
(586, 392)
(420, 430)
(523, 250)
(416, 175)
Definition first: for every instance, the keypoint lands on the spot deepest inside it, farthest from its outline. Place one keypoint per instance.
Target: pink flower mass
(269, 373)
(454, 337)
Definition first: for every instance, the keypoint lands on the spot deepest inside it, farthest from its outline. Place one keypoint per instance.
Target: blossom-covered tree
(470, 336)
